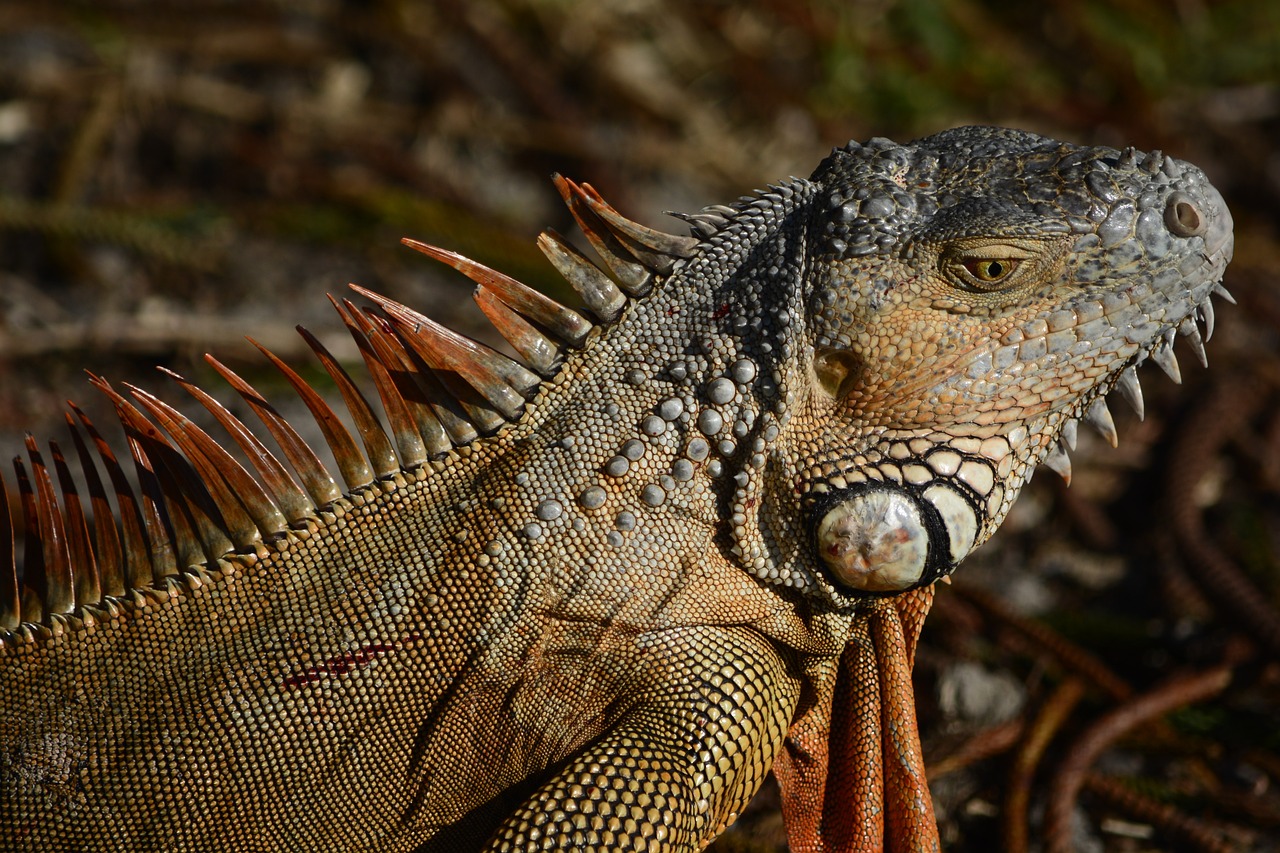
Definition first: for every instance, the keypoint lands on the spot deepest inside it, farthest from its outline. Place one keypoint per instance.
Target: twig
(1071, 656)
(1188, 830)
(1070, 778)
(1197, 446)
(1056, 709)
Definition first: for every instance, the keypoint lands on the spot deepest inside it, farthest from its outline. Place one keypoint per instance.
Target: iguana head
(971, 296)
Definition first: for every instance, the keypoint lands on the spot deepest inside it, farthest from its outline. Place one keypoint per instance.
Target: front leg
(695, 745)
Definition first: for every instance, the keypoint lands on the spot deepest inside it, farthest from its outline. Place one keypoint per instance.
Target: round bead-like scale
(710, 421)
(592, 497)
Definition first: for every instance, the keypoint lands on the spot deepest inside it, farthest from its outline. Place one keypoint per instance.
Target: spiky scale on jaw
(615, 568)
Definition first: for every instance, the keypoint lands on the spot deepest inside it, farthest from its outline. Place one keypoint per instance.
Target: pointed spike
(135, 547)
(477, 414)
(169, 547)
(1163, 356)
(1098, 416)
(1224, 293)
(59, 585)
(88, 584)
(442, 398)
(447, 353)
(1057, 460)
(200, 525)
(389, 353)
(485, 368)
(568, 325)
(352, 465)
(788, 187)
(199, 529)
(665, 247)
(230, 487)
(537, 350)
(175, 543)
(1131, 390)
(30, 605)
(1069, 430)
(198, 537)
(32, 593)
(1189, 330)
(318, 482)
(706, 221)
(634, 278)
(602, 296)
(409, 444)
(10, 591)
(467, 381)
(286, 494)
(376, 444)
(112, 569)
(1206, 311)
(475, 360)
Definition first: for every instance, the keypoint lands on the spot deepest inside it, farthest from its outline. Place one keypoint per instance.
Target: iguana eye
(988, 266)
(990, 270)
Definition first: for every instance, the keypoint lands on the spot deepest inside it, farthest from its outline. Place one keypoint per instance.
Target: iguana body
(600, 626)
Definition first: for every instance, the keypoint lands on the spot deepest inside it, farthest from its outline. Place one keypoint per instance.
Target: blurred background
(176, 175)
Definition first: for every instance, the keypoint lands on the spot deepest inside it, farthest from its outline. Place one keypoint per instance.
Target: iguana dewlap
(586, 598)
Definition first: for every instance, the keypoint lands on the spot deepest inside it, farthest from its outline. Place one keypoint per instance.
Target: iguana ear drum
(885, 538)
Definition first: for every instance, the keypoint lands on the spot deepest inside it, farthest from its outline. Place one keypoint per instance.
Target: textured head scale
(970, 296)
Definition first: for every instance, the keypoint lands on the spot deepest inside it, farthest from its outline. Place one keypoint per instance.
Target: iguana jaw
(877, 538)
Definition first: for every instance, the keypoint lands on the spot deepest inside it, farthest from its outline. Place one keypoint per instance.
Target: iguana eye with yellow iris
(988, 266)
(990, 270)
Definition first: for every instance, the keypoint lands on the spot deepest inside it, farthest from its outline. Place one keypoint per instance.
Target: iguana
(587, 597)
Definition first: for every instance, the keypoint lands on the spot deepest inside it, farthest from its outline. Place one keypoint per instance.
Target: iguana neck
(687, 395)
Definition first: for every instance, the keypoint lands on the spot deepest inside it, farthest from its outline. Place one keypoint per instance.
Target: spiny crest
(717, 218)
(194, 502)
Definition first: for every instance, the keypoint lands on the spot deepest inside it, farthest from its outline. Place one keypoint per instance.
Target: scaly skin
(601, 627)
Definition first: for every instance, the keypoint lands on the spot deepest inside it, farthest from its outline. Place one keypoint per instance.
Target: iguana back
(582, 598)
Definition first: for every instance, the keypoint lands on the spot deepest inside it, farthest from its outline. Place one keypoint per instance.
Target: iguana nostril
(1183, 217)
